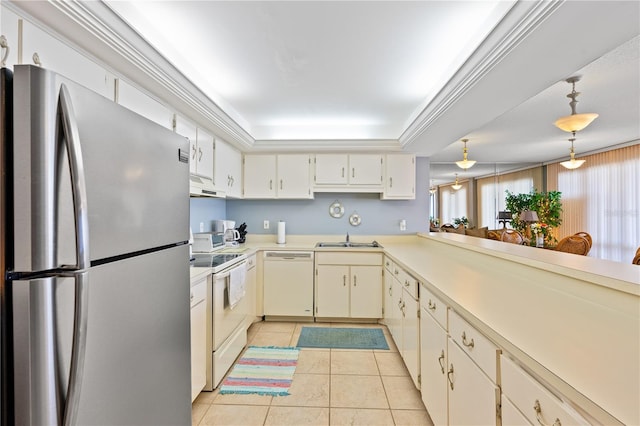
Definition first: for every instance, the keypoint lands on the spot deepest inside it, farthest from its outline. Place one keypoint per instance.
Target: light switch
(403, 225)
(265, 225)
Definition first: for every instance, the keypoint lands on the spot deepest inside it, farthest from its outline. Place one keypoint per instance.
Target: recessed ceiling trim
(528, 16)
(100, 21)
(365, 145)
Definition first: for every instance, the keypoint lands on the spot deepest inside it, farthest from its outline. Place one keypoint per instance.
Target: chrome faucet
(347, 237)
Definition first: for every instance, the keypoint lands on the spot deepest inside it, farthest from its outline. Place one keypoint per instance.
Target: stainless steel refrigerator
(94, 298)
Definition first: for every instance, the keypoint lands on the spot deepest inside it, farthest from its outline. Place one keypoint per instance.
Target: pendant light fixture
(465, 163)
(432, 188)
(574, 122)
(456, 185)
(572, 163)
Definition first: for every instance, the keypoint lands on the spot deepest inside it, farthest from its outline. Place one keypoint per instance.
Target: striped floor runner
(262, 370)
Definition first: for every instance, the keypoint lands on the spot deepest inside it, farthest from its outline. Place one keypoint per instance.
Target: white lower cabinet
(251, 291)
(348, 285)
(433, 372)
(198, 336)
(531, 400)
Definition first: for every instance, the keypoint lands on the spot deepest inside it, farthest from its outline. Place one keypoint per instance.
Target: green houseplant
(547, 205)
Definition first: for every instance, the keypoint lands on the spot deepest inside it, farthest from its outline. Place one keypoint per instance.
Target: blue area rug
(342, 338)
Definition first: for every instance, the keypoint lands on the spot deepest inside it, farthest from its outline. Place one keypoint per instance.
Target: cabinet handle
(396, 272)
(353, 172)
(431, 305)
(270, 184)
(191, 298)
(449, 375)
(280, 183)
(464, 341)
(406, 283)
(344, 280)
(193, 148)
(36, 59)
(200, 152)
(538, 409)
(4, 45)
(390, 291)
(343, 172)
(354, 280)
(390, 182)
(441, 361)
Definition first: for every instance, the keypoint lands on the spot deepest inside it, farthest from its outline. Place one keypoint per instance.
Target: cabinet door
(187, 129)
(53, 54)
(251, 295)
(332, 291)
(387, 295)
(227, 169)
(198, 337)
(396, 316)
(293, 176)
(366, 292)
(331, 169)
(365, 169)
(204, 155)
(134, 99)
(400, 177)
(259, 176)
(472, 396)
(433, 364)
(411, 336)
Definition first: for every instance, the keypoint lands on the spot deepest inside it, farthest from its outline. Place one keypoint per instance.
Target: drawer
(388, 264)
(251, 261)
(479, 348)
(434, 306)
(344, 258)
(408, 282)
(198, 292)
(538, 404)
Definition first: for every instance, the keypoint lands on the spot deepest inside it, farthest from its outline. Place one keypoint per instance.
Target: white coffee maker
(228, 228)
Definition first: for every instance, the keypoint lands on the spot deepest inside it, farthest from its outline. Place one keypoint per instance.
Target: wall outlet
(265, 225)
(201, 226)
(403, 225)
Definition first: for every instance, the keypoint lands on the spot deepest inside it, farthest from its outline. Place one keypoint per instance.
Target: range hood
(202, 187)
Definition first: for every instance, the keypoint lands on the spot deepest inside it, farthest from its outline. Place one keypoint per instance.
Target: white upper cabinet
(227, 169)
(331, 169)
(9, 29)
(202, 154)
(277, 176)
(400, 177)
(348, 172)
(134, 99)
(42, 48)
(294, 179)
(365, 169)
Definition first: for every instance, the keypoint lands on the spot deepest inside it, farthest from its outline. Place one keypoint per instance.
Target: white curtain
(602, 198)
(492, 192)
(453, 203)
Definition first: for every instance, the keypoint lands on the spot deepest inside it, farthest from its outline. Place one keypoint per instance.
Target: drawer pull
(390, 291)
(441, 361)
(431, 305)
(538, 409)
(355, 279)
(344, 280)
(464, 341)
(449, 375)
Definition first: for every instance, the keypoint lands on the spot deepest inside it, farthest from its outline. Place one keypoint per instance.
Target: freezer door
(137, 363)
(135, 172)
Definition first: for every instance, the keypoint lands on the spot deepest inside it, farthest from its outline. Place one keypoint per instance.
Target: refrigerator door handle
(78, 183)
(79, 191)
(78, 349)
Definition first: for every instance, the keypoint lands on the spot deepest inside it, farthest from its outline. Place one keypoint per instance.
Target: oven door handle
(227, 272)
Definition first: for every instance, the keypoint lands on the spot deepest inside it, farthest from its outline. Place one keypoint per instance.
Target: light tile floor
(330, 387)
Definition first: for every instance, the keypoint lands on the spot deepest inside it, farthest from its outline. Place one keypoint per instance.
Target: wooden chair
(586, 236)
(512, 236)
(574, 244)
(636, 259)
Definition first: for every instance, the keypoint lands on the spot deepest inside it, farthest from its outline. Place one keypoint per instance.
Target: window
(603, 199)
(453, 203)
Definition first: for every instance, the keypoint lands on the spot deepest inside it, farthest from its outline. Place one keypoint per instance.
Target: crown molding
(318, 145)
(521, 20)
(94, 29)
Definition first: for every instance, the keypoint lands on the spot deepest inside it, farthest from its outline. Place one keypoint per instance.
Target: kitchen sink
(345, 244)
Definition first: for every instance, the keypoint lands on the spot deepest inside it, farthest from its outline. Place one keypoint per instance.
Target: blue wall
(206, 210)
(312, 216)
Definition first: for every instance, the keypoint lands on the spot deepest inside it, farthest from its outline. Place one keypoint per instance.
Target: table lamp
(528, 217)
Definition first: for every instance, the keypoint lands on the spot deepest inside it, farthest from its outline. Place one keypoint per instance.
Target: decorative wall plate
(355, 219)
(336, 210)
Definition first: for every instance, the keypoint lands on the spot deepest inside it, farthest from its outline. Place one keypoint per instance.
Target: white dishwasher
(288, 284)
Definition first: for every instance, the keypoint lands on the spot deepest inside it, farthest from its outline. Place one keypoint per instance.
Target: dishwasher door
(288, 284)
